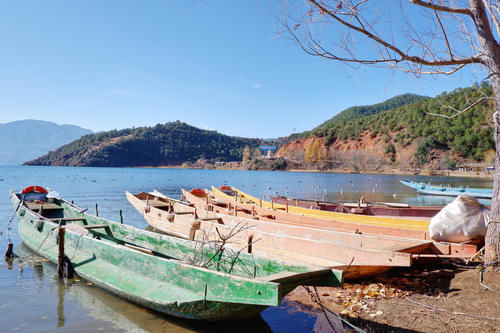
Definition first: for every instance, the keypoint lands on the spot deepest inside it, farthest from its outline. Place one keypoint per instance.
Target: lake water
(32, 299)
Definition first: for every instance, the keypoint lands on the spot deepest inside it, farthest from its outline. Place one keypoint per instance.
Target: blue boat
(423, 188)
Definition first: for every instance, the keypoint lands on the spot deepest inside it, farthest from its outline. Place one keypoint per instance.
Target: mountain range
(398, 131)
(24, 140)
(172, 143)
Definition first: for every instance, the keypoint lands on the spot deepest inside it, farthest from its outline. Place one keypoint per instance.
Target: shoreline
(446, 173)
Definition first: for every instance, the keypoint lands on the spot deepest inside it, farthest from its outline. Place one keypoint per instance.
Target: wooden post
(250, 241)
(9, 254)
(121, 216)
(192, 234)
(60, 255)
(96, 210)
(286, 206)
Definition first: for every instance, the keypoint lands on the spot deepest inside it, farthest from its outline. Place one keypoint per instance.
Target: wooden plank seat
(156, 203)
(96, 226)
(218, 219)
(45, 206)
(84, 229)
(183, 213)
(67, 219)
(354, 205)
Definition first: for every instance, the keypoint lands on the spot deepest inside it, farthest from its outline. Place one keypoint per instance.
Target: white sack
(463, 219)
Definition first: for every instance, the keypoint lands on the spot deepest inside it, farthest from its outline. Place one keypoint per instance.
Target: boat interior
(210, 256)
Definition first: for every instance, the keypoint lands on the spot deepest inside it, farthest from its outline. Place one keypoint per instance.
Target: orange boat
(359, 255)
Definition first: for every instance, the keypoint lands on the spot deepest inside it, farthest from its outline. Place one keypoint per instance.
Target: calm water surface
(32, 299)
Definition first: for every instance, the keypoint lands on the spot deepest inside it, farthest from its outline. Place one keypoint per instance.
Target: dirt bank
(438, 298)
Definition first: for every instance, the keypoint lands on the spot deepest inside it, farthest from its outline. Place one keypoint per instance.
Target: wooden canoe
(398, 222)
(158, 271)
(221, 200)
(485, 193)
(359, 255)
(362, 208)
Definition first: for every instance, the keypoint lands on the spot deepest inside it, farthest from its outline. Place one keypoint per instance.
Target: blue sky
(213, 64)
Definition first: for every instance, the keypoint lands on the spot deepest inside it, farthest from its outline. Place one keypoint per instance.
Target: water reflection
(60, 304)
(34, 300)
(103, 310)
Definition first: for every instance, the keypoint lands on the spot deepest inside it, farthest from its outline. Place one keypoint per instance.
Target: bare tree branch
(442, 29)
(461, 111)
(403, 56)
(494, 18)
(464, 11)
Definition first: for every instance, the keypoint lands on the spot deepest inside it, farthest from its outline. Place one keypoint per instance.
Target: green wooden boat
(158, 271)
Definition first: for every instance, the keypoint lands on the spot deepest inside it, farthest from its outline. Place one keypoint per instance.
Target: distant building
(268, 149)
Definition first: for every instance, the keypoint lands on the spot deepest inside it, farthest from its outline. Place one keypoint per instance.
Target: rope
(447, 311)
(76, 247)
(316, 299)
(481, 278)
(13, 215)
(31, 256)
(469, 260)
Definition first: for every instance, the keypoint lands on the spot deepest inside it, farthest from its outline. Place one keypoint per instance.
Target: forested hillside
(469, 134)
(170, 144)
(403, 136)
(355, 112)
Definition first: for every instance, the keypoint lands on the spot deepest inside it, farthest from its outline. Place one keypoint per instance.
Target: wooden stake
(96, 210)
(192, 234)
(250, 241)
(121, 216)
(9, 254)
(60, 255)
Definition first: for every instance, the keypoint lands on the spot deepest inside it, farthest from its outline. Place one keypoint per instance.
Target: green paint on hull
(164, 280)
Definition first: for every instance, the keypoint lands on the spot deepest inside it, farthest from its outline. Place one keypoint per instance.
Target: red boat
(362, 207)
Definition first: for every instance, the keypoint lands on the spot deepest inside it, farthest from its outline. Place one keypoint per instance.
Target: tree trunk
(491, 59)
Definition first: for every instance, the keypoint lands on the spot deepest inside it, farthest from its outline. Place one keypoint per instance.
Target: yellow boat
(395, 222)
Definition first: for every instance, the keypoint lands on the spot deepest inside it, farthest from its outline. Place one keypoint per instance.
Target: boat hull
(374, 227)
(448, 191)
(155, 281)
(358, 255)
(362, 209)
